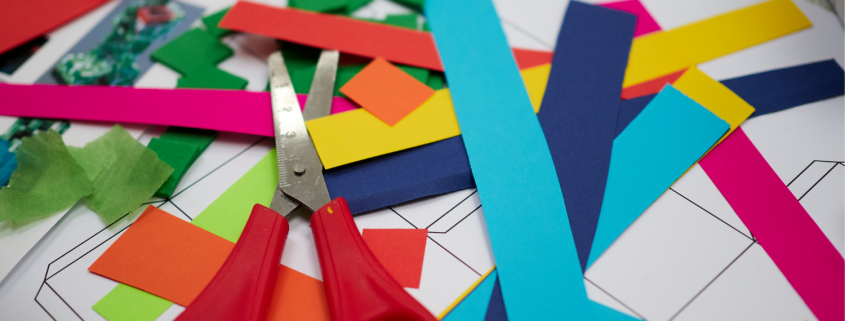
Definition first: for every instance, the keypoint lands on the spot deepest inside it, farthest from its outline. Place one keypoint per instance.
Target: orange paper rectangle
(165, 256)
(298, 297)
(386, 91)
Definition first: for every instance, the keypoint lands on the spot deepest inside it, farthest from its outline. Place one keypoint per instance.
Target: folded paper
(654, 150)
(661, 53)
(354, 36)
(580, 108)
(784, 229)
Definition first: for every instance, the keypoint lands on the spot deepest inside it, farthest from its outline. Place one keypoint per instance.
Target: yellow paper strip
(356, 135)
(714, 96)
(664, 52)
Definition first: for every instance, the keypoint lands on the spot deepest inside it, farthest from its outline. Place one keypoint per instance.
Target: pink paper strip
(781, 225)
(645, 23)
(225, 110)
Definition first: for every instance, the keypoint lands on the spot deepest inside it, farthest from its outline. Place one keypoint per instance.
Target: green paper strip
(47, 181)
(125, 303)
(402, 20)
(178, 155)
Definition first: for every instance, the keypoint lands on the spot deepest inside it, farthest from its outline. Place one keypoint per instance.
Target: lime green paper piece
(195, 55)
(227, 215)
(125, 303)
(132, 173)
(47, 181)
(319, 5)
(211, 22)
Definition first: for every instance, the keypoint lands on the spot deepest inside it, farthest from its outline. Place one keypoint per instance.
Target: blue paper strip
(474, 306)
(659, 145)
(580, 106)
(526, 218)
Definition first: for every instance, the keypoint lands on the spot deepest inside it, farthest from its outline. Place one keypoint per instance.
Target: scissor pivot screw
(299, 169)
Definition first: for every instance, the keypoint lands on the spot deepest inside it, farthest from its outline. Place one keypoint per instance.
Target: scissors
(357, 286)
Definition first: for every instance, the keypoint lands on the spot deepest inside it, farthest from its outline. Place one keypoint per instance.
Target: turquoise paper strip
(474, 306)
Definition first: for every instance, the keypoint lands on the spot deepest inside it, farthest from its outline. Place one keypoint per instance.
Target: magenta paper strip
(225, 110)
(645, 23)
(781, 225)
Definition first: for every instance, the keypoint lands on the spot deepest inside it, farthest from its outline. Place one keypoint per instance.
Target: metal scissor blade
(319, 102)
(300, 169)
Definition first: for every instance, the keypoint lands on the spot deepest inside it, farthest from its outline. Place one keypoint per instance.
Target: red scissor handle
(243, 287)
(358, 288)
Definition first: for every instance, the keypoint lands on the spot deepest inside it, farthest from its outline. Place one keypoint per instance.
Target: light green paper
(132, 174)
(126, 303)
(47, 181)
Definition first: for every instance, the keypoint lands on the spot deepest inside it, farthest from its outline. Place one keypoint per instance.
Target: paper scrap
(414, 4)
(354, 36)
(537, 265)
(386, 91)
(236, 111)
(211, 22)
(645, 23)
(165, 256)
(526, 58)
(22, 21)
(659, 145)
(298, 297)
(661, 53)
(47, 181)
(402, 20)
(788, 234)
(123, 172)
(496, 308)
(195, 55)
(650, 87)
(472, 305)
(400, 252)
(357, 135)
(580, 107)
(125, 303)
(714, 96)
(179, 148)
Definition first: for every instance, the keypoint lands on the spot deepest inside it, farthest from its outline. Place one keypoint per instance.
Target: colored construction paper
(319, 5)
(344, 74)
(650, 87)
(22, 21)
(645, 23)
(472, 305)
(196, 137)
(165, 256)
(496, 307)
(402, 20)
(348, 35)
(580, 107)
(436, 80)
(386, 91)
(352, 5)
(779, 89)
(788, 234)
(195, 55)
(653, 151)
(526, 58)
(400, 251)
(211, 22)
(125, 303)
(298, 297)
(418, 73)
(536, 259)
(124, 173)
(629, 109)
(661, 53)
(223, 110)
(47, 181)
(175, 154)
(227, 215)
(414, 4)
(714, 96)
(357, 135)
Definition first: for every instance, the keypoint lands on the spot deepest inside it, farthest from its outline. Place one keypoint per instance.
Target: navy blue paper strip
(496, 307)
(580, 106)
(443, 166)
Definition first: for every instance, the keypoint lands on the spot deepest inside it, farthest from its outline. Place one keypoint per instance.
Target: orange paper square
(165, 256)
(386, 91)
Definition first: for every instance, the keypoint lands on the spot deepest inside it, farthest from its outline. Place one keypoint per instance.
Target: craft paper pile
(47, 181)
(386, 91)
(664, 52)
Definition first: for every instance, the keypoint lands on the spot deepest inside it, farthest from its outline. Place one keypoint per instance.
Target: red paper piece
(784, 229)
(386, 91)
(328, 31)
(526, 58)
(22, 21)
(165, 256)
(650, 87)
(400, 251)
